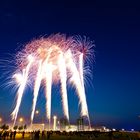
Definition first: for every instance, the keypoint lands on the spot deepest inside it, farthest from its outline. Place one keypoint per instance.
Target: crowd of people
(46, 135)
(33, 135)
(8, 134)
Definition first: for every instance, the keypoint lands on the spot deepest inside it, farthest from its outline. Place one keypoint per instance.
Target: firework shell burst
(52, 59)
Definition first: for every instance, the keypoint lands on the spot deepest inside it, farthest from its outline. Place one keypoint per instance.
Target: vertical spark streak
(48, 90)
(20, 91)
(36, 89)
(81, 70)
(47, 69)
(81, 67)
(77, 82)
(63, 77)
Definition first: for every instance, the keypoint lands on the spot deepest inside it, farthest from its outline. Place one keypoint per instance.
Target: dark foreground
(50, 135)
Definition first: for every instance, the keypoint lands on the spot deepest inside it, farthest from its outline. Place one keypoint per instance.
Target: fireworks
(52, 59)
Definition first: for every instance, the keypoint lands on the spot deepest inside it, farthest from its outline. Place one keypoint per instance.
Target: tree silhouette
(5, 127)
(15, 127)
(20, 127)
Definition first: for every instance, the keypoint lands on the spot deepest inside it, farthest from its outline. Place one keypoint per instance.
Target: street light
(21, 120)
(37, 112)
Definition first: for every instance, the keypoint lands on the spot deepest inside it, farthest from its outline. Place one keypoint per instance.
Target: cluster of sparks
(48, 60)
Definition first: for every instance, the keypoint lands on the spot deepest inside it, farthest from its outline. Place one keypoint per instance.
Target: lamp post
(37, 114)
(54, 122)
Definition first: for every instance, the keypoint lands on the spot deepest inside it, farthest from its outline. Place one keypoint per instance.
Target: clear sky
(114, 26)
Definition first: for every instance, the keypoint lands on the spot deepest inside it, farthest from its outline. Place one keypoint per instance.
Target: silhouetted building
(63, 124)
(80, 124)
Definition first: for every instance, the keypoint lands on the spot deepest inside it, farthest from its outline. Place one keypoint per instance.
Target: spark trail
(75, 79)
(48, 91)
(63, 78)
(21, 89)
(36, 89)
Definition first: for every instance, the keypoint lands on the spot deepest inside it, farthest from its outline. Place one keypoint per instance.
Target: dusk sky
(114, 97)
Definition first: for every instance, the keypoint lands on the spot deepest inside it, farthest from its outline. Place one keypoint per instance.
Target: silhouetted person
(14, 135)
(4, 135)
(11, 135)
(23, 133)
(48, 135)
(7, 134)
(32, 135)
(37, 135)
(38, 132)
(0, 135)
(43, 135)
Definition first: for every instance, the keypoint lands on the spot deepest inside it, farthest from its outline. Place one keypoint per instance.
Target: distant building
(37, 126)
(80, 124)
(63, 124)
(71, 128)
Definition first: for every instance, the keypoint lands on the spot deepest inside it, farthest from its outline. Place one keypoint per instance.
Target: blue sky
(113, 100)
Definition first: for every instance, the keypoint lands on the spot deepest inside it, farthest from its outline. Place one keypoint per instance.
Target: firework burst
(52, 59)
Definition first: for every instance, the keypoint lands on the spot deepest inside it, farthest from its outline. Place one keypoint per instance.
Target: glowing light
(19, 78)
(113, 129)
(37, 112)
(20, 120)
(54, 59)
